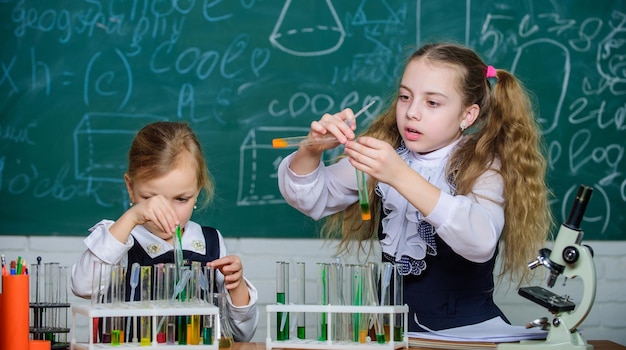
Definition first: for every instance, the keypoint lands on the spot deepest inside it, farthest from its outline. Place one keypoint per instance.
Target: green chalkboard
(79, 78)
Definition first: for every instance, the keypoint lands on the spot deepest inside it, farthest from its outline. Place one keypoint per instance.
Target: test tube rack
(154, 309)
(329, 310)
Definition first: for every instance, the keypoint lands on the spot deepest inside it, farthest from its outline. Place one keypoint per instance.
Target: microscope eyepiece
(578, 207)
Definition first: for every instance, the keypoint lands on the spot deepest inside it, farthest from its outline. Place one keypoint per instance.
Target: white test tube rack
(155, 309)
(295, 343)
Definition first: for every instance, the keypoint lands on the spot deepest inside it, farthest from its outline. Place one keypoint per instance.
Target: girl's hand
(230, 266)
(376, 158)
(157, 213)
(339, 125)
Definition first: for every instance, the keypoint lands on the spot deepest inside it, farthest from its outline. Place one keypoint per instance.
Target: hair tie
(491, 76)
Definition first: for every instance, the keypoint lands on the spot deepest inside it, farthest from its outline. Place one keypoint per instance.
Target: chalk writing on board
(77, 79)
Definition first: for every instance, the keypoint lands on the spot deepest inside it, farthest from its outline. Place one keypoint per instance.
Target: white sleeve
(471, 225)
(101, 247)
(244, 319)
(327, 190)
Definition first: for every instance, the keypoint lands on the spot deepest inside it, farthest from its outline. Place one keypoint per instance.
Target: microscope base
(559, 338)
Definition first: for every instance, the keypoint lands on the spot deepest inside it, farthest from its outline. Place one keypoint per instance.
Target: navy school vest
(137, 254)
(451, 292)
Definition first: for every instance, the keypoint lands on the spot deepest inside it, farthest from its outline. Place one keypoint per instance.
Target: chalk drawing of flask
(308, 28)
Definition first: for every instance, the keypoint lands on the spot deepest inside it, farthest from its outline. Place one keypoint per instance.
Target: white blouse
(471, 225)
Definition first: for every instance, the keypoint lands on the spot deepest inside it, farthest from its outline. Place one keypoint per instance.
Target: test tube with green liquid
(358, 327)
(322, 299)
(118, 294)
(300, 298)
(282, 297)
(361, 180)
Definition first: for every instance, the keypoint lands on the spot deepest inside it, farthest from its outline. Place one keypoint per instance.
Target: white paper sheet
(493, 330)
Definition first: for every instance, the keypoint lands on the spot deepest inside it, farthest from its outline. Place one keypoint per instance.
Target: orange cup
(14, 312)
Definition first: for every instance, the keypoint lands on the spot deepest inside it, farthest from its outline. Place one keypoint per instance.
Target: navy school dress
(451, 292)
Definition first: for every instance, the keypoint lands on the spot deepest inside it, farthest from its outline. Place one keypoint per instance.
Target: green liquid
(355, 328)
(115, 337)
(397, 333)
(323, 332)
(301, 332)
(282, 334)
(380, 338)
(207, 335)
(365, 211)
(182, 330)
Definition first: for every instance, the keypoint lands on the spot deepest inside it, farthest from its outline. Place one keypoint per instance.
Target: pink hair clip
(491, 72)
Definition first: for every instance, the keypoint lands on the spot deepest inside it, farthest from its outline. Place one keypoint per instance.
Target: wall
(605, 321)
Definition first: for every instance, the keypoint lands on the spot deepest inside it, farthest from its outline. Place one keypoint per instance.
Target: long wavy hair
(505, 129)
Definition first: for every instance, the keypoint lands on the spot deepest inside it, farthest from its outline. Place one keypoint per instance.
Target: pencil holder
(14, 312)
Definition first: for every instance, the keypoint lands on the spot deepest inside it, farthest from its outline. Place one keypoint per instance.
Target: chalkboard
(79, 78)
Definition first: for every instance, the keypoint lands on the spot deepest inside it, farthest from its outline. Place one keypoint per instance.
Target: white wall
(606, 320)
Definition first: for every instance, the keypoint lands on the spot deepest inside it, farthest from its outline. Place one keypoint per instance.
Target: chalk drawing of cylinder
(308, 28)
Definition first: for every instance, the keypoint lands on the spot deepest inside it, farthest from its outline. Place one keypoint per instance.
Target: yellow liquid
(145, 342)
(225, 343)
(194, 331)
(363, 336)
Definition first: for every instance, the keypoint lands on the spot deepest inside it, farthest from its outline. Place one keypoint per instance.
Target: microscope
(571, 259)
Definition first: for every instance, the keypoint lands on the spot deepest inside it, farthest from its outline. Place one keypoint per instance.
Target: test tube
(35, 275)
(51, 297)
(398, 299)
(146, 296)
(118, 294)
(334, 271)
(195, 293)
(385, 295)
(159, 296)
(181, 320)
(372, 283)
(95, 296)
(357, 300)
(208, 320)
(322, 299)
(300, 298)
(169, 281)
(363, 195)
(282, 297)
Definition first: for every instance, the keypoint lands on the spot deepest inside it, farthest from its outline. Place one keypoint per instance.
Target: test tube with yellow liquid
(145, 338)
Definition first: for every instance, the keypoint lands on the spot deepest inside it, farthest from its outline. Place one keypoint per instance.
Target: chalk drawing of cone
(305, 28)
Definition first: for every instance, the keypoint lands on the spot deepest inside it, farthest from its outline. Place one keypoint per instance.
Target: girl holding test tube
(455, 168)
(166, 174)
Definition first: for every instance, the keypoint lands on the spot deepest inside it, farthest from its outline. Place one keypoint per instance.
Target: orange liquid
(279, 143)
(365, 212)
